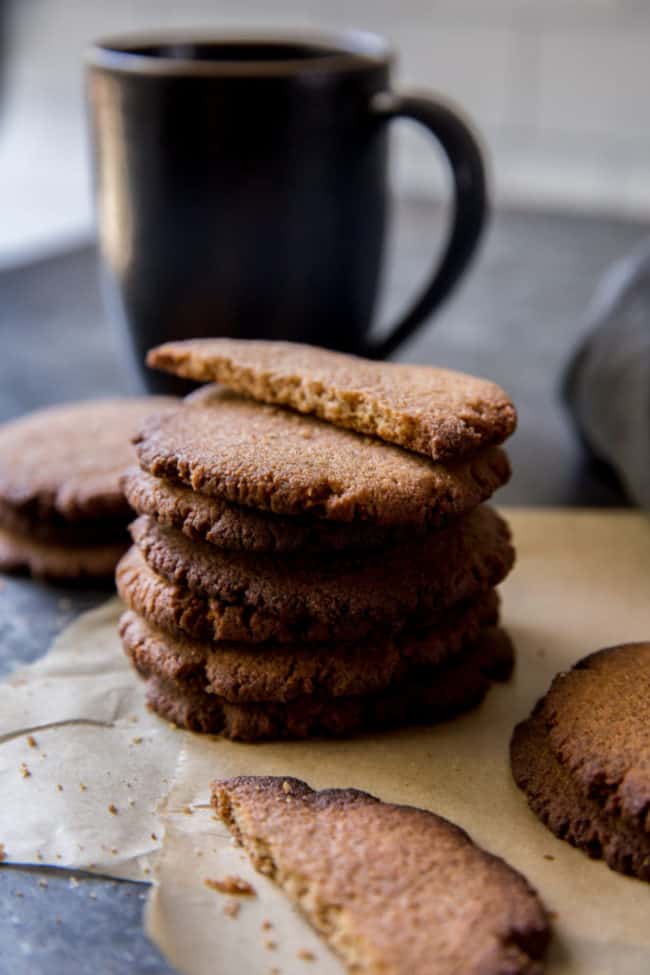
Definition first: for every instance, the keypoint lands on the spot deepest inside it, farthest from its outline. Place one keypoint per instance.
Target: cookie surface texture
(436, 412)
(393, 889)
(266, 457)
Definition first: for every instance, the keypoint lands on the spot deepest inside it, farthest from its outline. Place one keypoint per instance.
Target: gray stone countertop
(516, 319)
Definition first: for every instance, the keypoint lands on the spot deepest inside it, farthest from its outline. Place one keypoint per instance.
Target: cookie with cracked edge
(236, 528)
(565, 808)
(406, 582)
(56, 562)
(181, 613)
(437, 412)
(62, 464)
(391, 888)
(282, 672)
(266, 457)
(448, 691)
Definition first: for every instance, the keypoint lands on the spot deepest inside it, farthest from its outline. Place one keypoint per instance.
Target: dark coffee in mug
(241, 188)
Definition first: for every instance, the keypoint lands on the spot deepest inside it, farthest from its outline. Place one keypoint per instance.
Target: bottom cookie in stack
(582, 757)
(254, 692)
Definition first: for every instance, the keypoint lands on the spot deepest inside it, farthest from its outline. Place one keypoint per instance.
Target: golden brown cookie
(63, 563)
(241, 672)
(435, 412)
(555, 797)
(392, 889)
(266, 457)
(235, 528)
(63, 463)
(592, 733)
(457, 686)
(351, 593)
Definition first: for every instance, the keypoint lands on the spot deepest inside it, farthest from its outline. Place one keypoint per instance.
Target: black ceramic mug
(242, 190)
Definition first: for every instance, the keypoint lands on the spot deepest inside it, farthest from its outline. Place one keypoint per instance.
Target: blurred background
(559, 90)
(559, 93)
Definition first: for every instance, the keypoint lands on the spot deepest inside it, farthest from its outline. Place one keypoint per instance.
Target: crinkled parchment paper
(582, 582)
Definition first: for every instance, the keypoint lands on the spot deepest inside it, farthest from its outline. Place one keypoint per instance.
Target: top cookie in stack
(301, 574)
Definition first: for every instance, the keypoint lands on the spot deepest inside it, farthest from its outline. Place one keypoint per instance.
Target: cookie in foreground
(582, 758)
(393, 889)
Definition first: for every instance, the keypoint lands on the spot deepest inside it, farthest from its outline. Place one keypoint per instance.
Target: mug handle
(470, 204)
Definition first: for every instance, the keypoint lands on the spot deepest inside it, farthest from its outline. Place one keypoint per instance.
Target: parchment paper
(94, 746)
(582, 582)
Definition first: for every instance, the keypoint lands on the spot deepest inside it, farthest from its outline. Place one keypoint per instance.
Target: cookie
(449, 690)
(555, 797)
(391, 888)
(435, 412)
(62, 563)
(235, 528)
(63, 463)
(408, 582)
(266, 457)
(591, 733)
(597, 719)
(281, 672)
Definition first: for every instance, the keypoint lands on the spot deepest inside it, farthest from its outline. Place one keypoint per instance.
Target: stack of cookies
(312, 555)
(63, 515)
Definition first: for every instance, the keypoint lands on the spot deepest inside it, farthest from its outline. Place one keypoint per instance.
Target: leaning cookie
(224, 446)
(392, 889)
(433, 411)
(582, 757)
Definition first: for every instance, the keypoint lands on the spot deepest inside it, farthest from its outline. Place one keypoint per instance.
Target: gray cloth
(607, 385)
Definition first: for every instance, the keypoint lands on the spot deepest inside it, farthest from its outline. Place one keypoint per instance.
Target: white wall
(560, 90)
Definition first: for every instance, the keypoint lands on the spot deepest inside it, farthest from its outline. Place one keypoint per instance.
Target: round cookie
(597, 719)
(555, 797)
(269, 458)
(348, 593)
(455, 688)
(236, 528)
(63, 463)
(63, 563)
(281, 672)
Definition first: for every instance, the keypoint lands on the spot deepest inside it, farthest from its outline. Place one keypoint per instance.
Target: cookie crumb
(82, 787)
(286, 787)
(31, 741)
(270, 945)
(266, 925)
(231, 885)
(59, 787)
(3, 852)
(24, 771)
(112, 808)
(231, 908)
(92, 895)
(73, 882)
(43, 882)
(153, 836)
(305, 955)
(39, 856)
(131, 801)
(188, 810)
(114, 850)
(548, 856)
